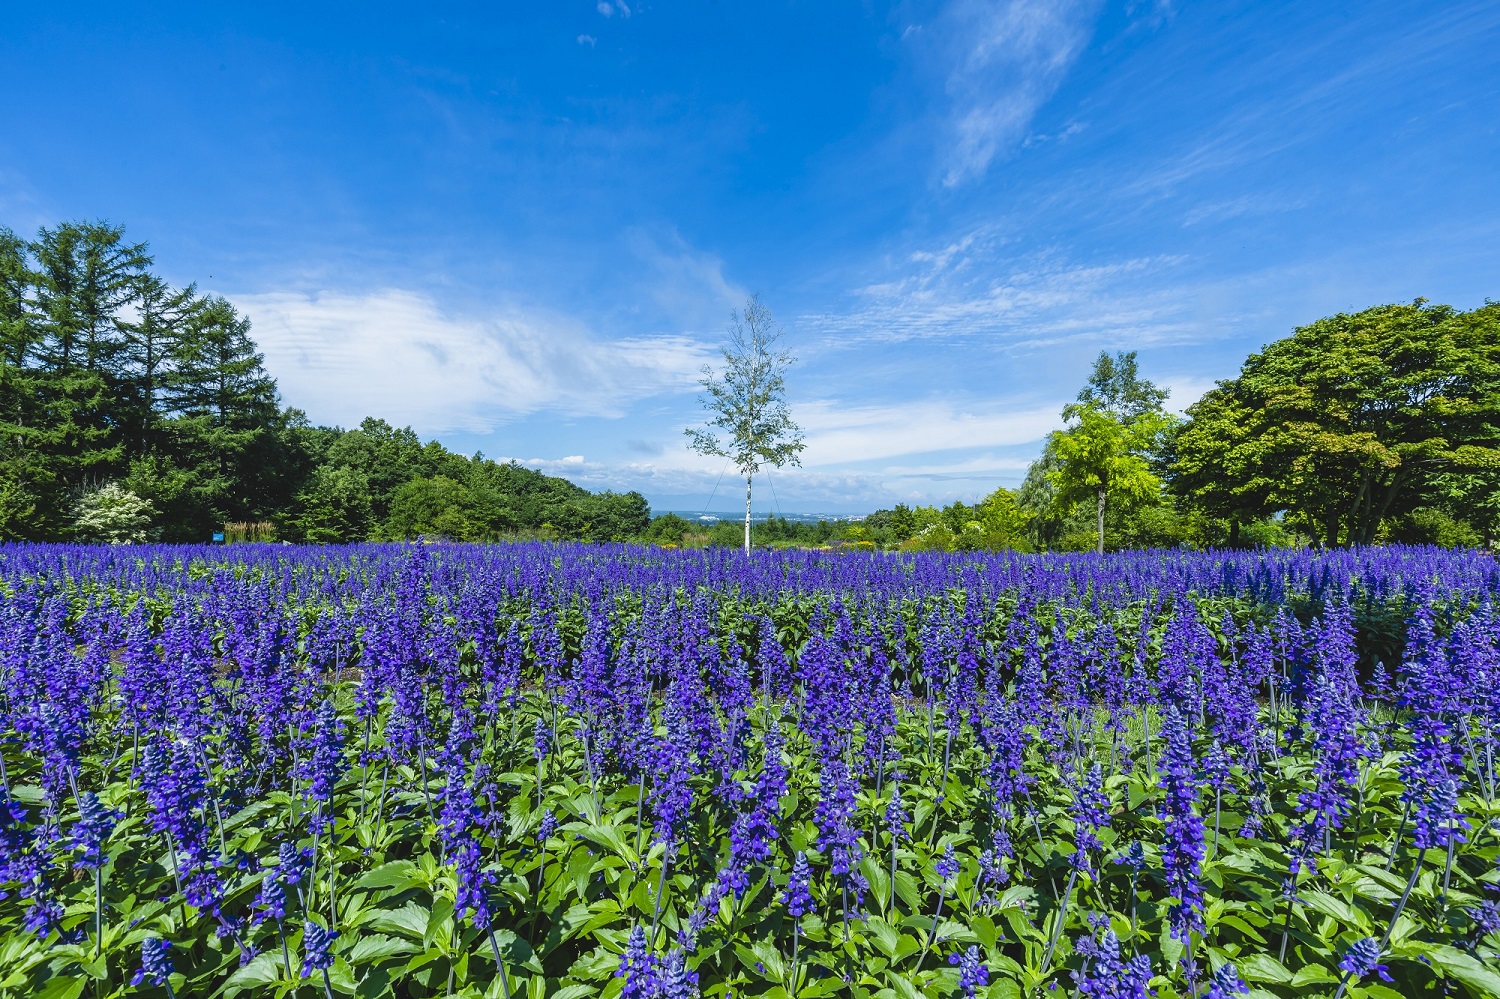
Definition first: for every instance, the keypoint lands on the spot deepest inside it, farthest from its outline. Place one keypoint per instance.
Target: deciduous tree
(749, 424)
(1350, 420)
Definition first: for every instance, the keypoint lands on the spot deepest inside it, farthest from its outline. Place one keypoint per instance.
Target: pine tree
(223, 410)
(85, 283)
(22, 483)
(162, 317)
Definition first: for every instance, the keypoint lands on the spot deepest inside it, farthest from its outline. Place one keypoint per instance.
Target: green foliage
(107, 373)
(1100, 457)
(562, 907)
(668, 529)
(1115, 387)
(1430, 526)
(334, 506)
(1350, 421)
(437, 507)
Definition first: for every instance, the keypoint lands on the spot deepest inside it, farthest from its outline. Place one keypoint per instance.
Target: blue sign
(219, 537)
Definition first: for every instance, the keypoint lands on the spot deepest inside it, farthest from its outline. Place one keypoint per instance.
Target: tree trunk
(747, 515)
(1103, 497)
(1234, 533)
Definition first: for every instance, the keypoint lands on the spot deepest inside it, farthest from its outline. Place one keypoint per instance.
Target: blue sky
(520, 228)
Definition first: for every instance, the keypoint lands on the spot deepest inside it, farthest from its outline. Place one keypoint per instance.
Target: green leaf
(372, 948)
(1311, 974)
(263, 969)
(1338, 910)
(62, 988)
(906, 890)
(594, 966)
(1455, 963)
(1262, 968)
(609, 837)
(376, 984)
(410, 920)
(884, 936)
(1375, 991)
(984, 929)
(574, 992)
(438, 923)
(396, 874)
(766, 953)
(903, 988)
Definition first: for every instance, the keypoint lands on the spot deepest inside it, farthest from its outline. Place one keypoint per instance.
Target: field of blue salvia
(555, 771)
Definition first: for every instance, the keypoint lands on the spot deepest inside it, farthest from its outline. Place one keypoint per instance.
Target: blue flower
(1363, 959)
(1106, 975)
(638, 968)
(156, 966)
(947, 865)
(317, 949)
(95, 823)
(798, 894)
(1226, 983)
(972, 971)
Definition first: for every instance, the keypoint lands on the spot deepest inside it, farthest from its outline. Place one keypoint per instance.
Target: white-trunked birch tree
(749, 423)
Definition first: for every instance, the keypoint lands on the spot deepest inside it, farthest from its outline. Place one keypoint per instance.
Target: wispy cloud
(839, 434)
(921, 451)
(1007, 58)
(974, 286)
(1248, 205)
(398, 354)
(687, 285)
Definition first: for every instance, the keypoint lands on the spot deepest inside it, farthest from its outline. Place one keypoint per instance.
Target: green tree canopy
(1350, 420)
(1116, 387)
(1100, 457)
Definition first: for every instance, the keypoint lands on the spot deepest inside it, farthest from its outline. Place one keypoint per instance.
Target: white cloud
(1184, 390)
(606, 9)
(1006, 58)
(922, 451)
(399, 355)
(1244, 206)
(971, 288)
(688, 285)
(838, 435)
(588, 40)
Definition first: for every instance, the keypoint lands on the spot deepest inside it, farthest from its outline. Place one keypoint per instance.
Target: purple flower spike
(1363, 959)
(972, 971)
(1226, 983)
(798, 894)
(317, 946)
(947, 865)
(638, 968)
(1106, 975)
(156, 966)
(95, 823)
(1182, 852)
(676, 981)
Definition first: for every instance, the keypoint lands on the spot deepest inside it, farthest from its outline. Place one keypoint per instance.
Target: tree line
(1361, 428)
(1376, 426)
(132, 410)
